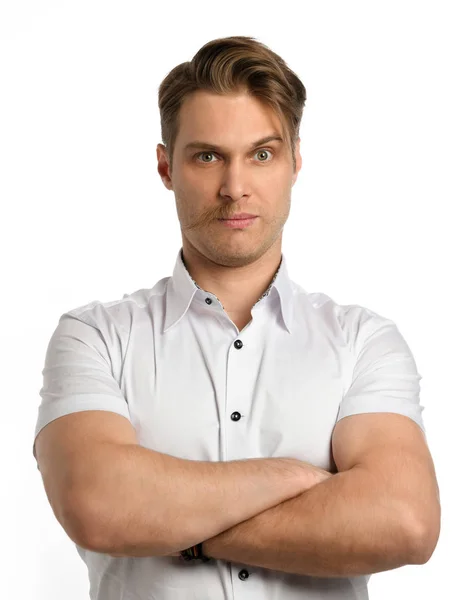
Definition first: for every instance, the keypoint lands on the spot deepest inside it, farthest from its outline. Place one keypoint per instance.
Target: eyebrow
(208, 146)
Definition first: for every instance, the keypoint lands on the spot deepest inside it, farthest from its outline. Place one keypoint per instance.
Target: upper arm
(82, 406)
(379, 426)
(369, 438)
(393, 450)
(63, 450)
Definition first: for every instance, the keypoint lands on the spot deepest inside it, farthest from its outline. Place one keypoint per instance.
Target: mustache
(207, 218)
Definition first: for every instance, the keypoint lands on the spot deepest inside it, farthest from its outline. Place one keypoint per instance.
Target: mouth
(239, 216)
(238, 223)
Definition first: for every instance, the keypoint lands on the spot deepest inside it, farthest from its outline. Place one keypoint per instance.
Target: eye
(208, 153)
(263, 150)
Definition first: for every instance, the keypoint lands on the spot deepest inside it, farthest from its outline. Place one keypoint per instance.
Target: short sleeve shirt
(171, 361)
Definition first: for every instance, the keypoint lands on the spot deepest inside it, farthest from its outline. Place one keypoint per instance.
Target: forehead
(229, 120)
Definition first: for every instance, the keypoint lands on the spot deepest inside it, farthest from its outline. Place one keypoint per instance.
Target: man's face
(226, 175)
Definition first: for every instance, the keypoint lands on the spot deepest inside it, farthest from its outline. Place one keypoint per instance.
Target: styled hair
(231, 65)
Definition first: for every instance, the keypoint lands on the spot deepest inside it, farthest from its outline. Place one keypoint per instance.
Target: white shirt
(171, 361)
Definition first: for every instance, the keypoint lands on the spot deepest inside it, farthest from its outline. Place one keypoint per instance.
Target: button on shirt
(172, 362)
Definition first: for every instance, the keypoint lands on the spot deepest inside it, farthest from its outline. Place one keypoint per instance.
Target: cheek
(274, 179)
(274, 187)
(197, 182)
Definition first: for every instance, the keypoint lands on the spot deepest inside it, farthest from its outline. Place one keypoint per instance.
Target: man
(227, 434)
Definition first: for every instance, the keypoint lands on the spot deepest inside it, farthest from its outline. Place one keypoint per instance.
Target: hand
(310, 474)
(315, 475)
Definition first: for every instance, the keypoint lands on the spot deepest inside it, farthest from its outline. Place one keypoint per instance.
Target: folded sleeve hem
(365, 405)
(77, 403)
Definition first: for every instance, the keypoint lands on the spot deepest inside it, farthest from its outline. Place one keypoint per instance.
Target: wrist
(195, 552)
(313, 475)
(206, 550)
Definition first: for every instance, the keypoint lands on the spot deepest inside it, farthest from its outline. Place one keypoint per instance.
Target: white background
(85, 216)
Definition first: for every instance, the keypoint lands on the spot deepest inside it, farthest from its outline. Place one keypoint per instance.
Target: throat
(240, 319)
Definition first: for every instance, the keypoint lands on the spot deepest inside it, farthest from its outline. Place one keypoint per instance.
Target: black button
(238, 344)
(209, 301)
(236, 416)
(244, 574)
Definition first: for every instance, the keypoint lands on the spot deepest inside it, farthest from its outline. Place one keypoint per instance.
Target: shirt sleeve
(385, 376)
(78, 374)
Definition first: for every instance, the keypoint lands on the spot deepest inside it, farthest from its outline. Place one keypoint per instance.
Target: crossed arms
(379, 512)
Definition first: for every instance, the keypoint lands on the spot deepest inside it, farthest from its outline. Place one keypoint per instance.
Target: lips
(239, 216)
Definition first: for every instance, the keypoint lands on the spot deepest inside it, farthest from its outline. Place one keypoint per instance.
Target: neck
(237, 286)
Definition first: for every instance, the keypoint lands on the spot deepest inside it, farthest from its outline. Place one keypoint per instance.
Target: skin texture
(237, 265)
(317, 475)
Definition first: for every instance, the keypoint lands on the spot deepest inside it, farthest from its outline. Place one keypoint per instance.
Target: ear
(299, 161)
(163, 166)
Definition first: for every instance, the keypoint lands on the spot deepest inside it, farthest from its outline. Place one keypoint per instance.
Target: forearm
(138, 502)
(344, 526)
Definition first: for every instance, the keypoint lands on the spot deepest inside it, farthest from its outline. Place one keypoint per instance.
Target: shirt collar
(181, 289)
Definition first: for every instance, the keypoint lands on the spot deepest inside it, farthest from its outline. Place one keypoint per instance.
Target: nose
(235, 180)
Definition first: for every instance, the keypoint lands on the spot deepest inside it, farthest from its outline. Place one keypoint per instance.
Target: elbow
(427, 545)
(77, 530)
(93, 526)
(424, 538)
(80, 525)
(80, 516)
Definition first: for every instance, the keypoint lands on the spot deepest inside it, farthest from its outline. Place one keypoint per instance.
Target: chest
(256, 394)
